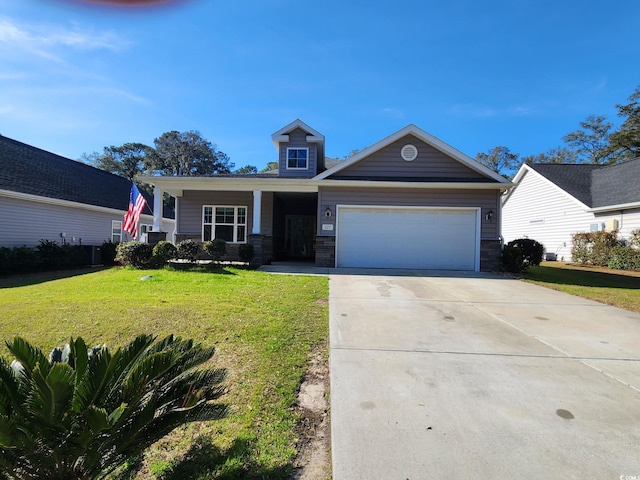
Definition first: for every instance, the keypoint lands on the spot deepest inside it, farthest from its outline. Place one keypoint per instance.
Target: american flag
(132, 217)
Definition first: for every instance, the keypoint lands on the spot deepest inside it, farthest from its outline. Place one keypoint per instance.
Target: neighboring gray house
(408, 201)
(46, 196)
(551, 202)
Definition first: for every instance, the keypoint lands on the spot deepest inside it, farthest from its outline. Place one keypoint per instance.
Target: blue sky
(75, 78)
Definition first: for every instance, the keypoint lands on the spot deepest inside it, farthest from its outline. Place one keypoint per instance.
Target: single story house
(551, 202)
(44, 196)
(408, 201)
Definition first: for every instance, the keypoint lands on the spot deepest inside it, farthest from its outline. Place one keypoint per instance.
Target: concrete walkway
(476, 376)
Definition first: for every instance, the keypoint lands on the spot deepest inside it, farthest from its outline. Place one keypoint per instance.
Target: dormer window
(297, 158)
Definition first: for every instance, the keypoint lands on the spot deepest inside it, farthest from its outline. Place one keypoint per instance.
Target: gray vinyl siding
(190, 209)
(27, 222)
(298, 139)
(539, 210)
(387, 162)
(485, 199)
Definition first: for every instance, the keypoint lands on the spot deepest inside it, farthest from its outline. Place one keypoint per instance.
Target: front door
(299, 235)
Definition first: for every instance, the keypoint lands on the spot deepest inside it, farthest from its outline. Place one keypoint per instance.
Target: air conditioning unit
(612, 224)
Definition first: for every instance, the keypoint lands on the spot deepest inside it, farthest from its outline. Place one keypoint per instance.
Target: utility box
(93, 255)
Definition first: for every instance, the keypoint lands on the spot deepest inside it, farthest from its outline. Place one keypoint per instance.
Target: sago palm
(81, 413)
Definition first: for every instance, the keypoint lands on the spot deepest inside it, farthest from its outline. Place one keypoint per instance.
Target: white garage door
(424, 238)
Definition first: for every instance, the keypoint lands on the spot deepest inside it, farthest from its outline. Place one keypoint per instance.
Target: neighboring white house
(46, 196)
(551, 202)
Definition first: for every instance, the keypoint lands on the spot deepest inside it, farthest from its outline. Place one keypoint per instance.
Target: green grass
(613, 287)
(264, 328)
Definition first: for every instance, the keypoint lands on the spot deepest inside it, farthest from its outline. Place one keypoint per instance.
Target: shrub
(136, 254)
(25, 259)
(624, 258)
(73, 255)
(634, 238)
(188, 250)
(216, 249)
(532, 251)
(164, 251)
(594, 247)
(512, 259)
(50, 254)
(246, 252)
(6, 260)
(83, 412)
(108, 252)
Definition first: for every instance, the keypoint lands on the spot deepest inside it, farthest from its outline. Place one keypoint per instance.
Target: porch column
(257, 212)
(157, 209)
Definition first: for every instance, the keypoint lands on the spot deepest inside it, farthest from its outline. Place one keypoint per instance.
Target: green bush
(512, 259)
(594, 248)
(246, 252)
(188, 250)
(6, 260)
(108, 252)
(624, 258)
(136, 254)
(216, 249)
(531, 250)
(50, 255)
(83, 412)
(73, 256)
(164, 251)
(25, 259)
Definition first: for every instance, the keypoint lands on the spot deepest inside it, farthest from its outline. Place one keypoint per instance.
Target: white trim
(527, 169)
(415, 207)
(257, 212)
(282, 135)
(425, 137)
(112, 231)
(620, 206)
(235, 222)
(177, 185)
(286, 159)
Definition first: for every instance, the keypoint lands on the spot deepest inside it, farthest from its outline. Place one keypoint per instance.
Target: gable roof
(596, 186)
(282, 135)
(33, 171)
(575, 179)
(617, 184)
(425, 137)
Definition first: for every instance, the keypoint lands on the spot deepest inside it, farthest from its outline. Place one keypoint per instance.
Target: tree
(626, 141)
(247, 170)
(499, 159)
(187, 153)
(270, 166)
(82, 413)
(127, 160)
(591, 142)
(554, 155)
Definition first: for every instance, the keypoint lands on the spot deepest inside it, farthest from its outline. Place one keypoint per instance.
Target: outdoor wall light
(489, 216)
(327, 212)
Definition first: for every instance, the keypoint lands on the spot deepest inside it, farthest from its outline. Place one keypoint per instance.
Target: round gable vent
(409, 153)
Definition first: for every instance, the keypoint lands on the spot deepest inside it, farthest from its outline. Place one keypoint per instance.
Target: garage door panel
(407, 238)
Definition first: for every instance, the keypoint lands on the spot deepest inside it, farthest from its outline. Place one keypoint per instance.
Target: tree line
(596, 142)
(173, 154)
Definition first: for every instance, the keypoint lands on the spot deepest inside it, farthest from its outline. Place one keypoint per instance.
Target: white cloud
(49, 41)
(485, 111)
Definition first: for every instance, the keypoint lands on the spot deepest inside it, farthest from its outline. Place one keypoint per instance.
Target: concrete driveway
(476, 376)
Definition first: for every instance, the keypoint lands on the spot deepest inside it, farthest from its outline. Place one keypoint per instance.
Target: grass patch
(613, 287)
(263, 326)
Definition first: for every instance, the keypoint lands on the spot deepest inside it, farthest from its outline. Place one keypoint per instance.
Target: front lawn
(614, 287)
(263, 326)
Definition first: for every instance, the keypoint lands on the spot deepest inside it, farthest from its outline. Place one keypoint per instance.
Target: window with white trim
(224, 222)
(116, 231)
(297, 158)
